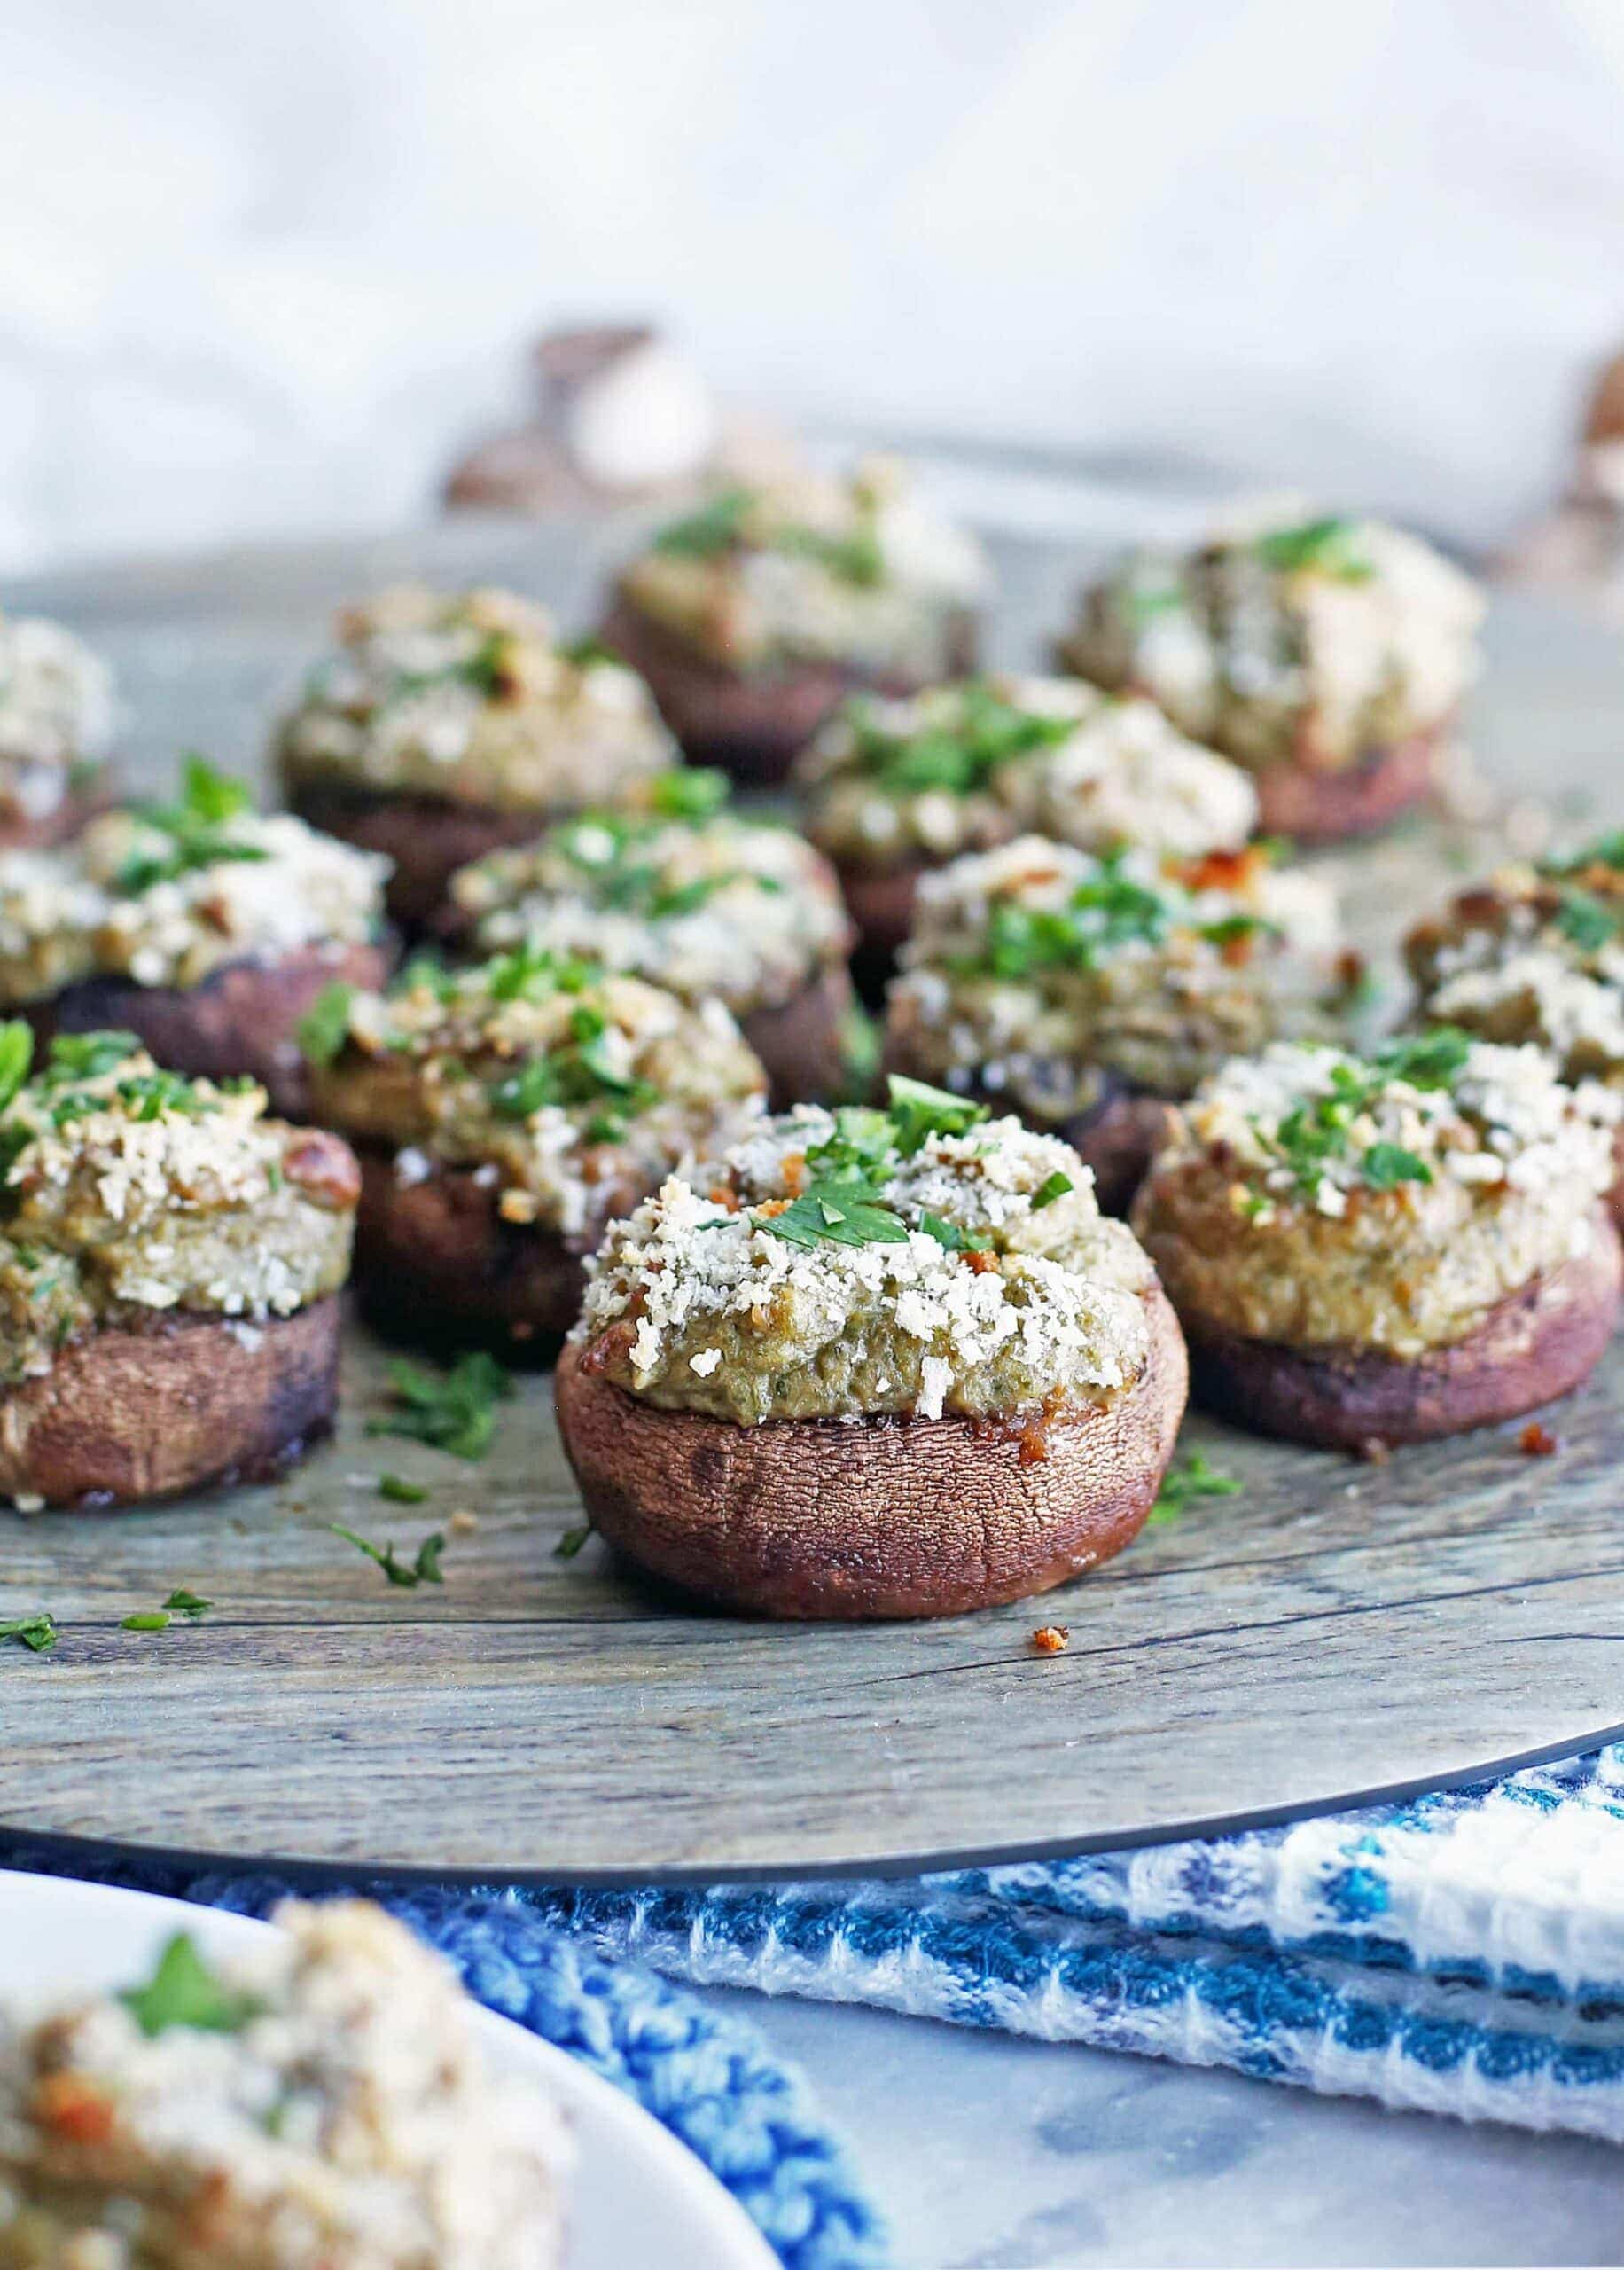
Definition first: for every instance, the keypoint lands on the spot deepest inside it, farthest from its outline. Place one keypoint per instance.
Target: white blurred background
(263, 269)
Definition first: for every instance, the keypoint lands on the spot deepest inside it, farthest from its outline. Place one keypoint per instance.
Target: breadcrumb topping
(577, 1091)
(972, 1274)
(1045, 973)
(858, 570)
(471, 696)
(111, 903)
(323, 2100)
(968, 766)
(57, 711)
(734, 909)
(1326, 639)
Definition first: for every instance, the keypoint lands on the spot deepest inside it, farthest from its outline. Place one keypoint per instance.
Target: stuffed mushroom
(894, 788)
(753, 618)
(1328, 657)
(324, 2099)
(57, 721)
(197, 924)
(169, 1263)
(1536, 955)
(1366, 1251)
(673, 887)
(873, 1364)
(446, 725)
(503, 1115)
(1087, 992)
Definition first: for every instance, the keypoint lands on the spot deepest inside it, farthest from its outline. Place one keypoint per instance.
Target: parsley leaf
(1588, 920)
(424, 1570)
(456, 1412)
(182, 1602)
(86, 1055)
(570, 1544)
(399, 1492)
(1054, 1185)
(949, 1235)
(1195, 1476)
(16, 1055)
(37, 1633)
(715, 528)
(324, 1028)
(838, 1213)
(960, 751)
(917, 1111)
(688, 792)
(1326, 544)
(182, 1991)
(1386, 1165)
(194, 823)
(147, 1619)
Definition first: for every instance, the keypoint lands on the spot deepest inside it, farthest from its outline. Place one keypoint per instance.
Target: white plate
(638, 2194)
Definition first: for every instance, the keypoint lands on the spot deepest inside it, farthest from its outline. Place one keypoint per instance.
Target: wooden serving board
(1331, 1631)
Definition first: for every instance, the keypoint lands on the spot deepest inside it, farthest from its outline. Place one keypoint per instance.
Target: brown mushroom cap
(435, 1261)
(428, 838)
(802, 1042)
(880, 902)
(1315, 805)
(1539, 1342)
(130, 1413)
(243, 1018)
(871, 1517)
(751, 724)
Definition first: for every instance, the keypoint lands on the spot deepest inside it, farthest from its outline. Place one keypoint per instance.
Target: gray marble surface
(992, 2154)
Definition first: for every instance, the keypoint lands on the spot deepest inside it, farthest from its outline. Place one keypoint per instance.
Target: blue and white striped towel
(1461, 1954)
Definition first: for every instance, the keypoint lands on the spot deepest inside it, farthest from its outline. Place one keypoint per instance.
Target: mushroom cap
(131, 1414)
(1539, 1342)
(872, 1517)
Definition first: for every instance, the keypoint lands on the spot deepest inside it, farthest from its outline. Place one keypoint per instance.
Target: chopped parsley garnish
(532, 973)
(194, 1609)
(424, 974)
(399, 1492)
(587, 653)
(960, 756)
(1589, 922)
(714, 529)
(455, 1412)
(580, 1071)
(949, 1235)
(1602, 851)
(1326, 544)
(570, 1544)
(1145, 601)
(147, 1619)
(182, 1991)
(195, 825)
(1194, 1477)
(85, 1056)
(688, 792)
(424, 1569)
(1053, 1186)
(485, 669)
(16, 1056)
(1318, 1131)
(37, 1633)
(855, 559)
(1109, 909)
(324, 1027)
(917, 1111)
(1386, 1165)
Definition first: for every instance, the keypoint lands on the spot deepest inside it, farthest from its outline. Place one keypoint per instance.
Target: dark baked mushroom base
(880, 902)
(1537, 1344)
(152, 1410)
(436, 1263)
(428, 838)
(1312, 805)
(243, 1018)
(871, 1517)
(803, 1042)
(753, 725)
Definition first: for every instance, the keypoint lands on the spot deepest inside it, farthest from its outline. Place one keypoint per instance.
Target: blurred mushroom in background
(1579, 546)
(620, 415)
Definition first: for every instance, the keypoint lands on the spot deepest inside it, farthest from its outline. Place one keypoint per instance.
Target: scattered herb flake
(424, 1569)
(182, 1991)
(1053, 1186)
(917, 1111)
(399, 1492)
(16, 1056)
(37, 1633)
(455, 1412)
(324, 1027)
(1386, 1165)
(147, 1619)
(1194, 1477)
(190, 1605)
(570, 1544)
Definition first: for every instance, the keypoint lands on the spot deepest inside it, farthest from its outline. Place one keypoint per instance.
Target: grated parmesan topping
(1180, 966)
(69, 914)
(470, 696)
(624, 1081)
(1123, 774)
(742, 911)
(696, 1280)
(858, 570)
(351, 2118)
(57, 711)
(1271, 646)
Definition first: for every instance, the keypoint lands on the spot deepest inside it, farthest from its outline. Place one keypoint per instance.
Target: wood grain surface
(1331, 1631)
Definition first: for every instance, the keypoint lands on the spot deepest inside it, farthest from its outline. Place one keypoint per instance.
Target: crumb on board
(1536, 1441)
(1051, 1638)
(463, 1520)
(1374, 1450)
